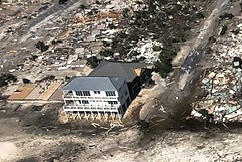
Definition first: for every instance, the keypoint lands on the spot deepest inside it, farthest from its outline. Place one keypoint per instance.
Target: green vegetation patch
(7, 78)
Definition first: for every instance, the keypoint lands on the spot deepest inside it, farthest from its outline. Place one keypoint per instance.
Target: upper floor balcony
(70, 96)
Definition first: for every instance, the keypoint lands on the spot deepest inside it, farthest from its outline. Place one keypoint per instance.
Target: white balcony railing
(71, 97)
(93, 106)
(89, 109)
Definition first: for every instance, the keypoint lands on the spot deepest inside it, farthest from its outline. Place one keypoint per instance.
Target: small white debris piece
(12, 70)
(196, 114)
(236, 63)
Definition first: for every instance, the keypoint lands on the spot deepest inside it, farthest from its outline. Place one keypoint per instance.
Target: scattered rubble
(123, 30)
(221, 89)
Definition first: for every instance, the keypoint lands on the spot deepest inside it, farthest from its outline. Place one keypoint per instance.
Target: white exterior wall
(94, 99)
(97, 102)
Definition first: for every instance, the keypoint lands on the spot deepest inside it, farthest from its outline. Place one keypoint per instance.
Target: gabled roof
(117, 69)
(94, 83)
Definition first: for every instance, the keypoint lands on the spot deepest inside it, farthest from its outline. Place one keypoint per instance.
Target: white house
(109, 88)
(92, 94)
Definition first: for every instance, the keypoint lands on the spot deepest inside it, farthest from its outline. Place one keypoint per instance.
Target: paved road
(44, 15)
(196, 54)
(56, 8)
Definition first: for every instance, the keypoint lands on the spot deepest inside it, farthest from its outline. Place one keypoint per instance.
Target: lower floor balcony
(90, 109)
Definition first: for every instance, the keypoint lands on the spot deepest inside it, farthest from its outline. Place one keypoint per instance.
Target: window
(79, 93)
(96, 92)
(83, 93)
(126, 92)
(86, 93)
(112, 102)
(69, 102)
(85, 102)
(110, 93)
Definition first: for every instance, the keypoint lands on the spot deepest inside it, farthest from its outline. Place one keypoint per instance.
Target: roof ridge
(111, 80)
(116, 69)
(123, 68)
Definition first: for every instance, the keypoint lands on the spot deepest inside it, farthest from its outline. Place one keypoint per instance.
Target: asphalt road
(195, 55)
(55, 9)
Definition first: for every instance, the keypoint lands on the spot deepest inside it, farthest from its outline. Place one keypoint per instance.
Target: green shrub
(6, 78)
(41, 46)
(163, 66)
(106, 53)
(93, 61)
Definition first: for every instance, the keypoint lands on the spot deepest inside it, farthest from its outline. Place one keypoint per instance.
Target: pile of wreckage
(89, 28)
(83, 30)
(222, 84)
(80, 34)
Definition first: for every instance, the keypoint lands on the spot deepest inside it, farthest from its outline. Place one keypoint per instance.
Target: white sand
(8, 151)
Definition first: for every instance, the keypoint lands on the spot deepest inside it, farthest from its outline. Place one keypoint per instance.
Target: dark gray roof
(94, 83)
(117, 69)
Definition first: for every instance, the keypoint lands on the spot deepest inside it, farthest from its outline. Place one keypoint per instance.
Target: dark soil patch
(68, 151)
(29, 159)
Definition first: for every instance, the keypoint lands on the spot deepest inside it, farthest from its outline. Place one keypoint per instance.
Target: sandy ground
(7, 150)
(38, 136)
(143, 105)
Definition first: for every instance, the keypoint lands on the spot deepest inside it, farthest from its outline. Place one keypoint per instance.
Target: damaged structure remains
(221, 87)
